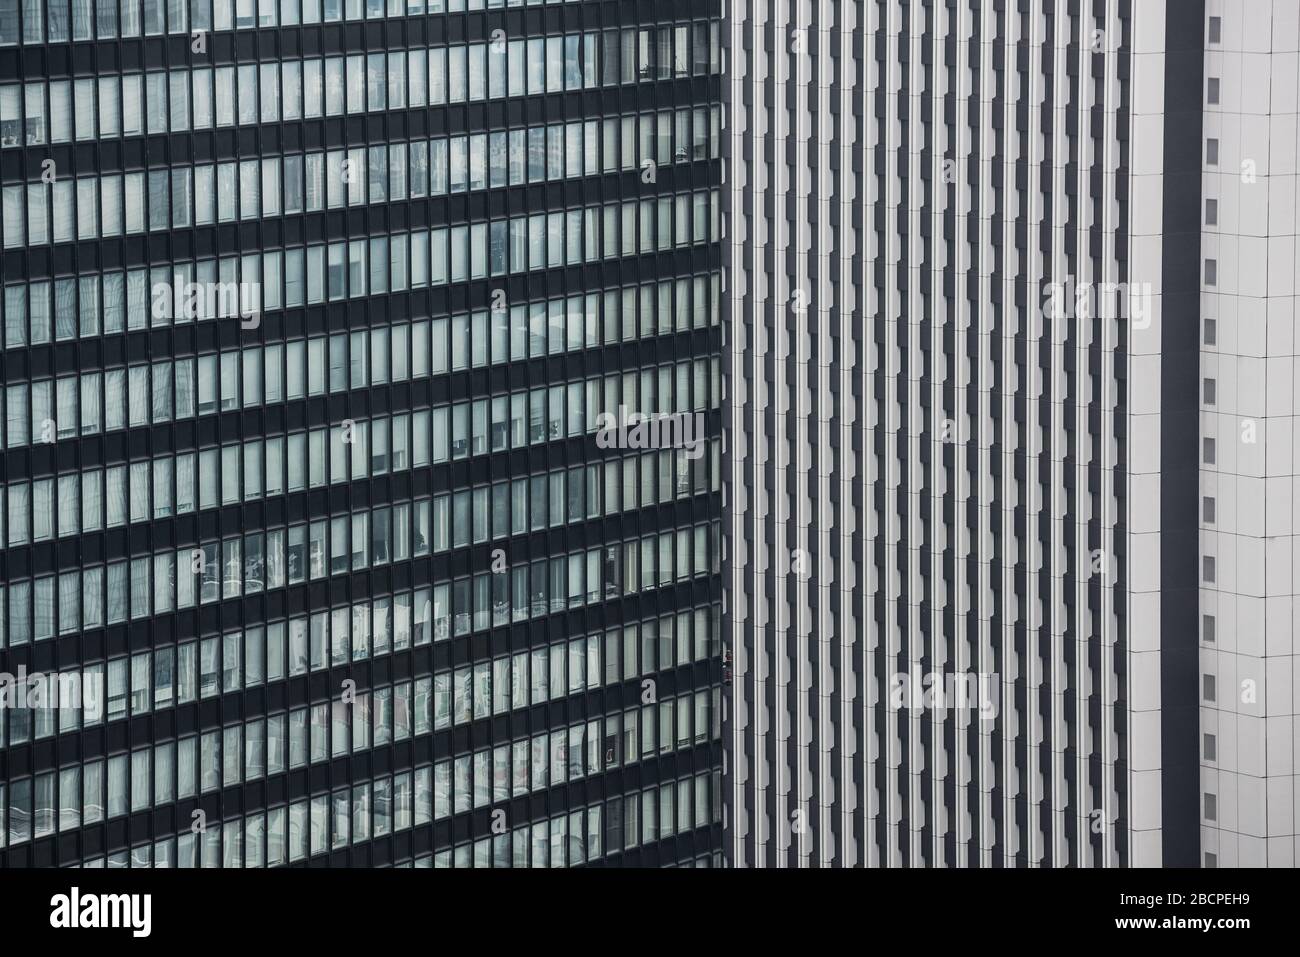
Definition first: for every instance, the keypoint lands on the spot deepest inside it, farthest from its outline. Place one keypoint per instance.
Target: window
(1211, 212)
(1212, 152)
(1207, 628)
(1207, 510)
(1216, 29)
(1207, 451)
(209, 673)
(1209, 389)
(1211, 806)
(1207, 568)
(1207, 687)
(1210, 751)
(141, 691)
(1211, 272)
(1211, 332)
(1212, 90)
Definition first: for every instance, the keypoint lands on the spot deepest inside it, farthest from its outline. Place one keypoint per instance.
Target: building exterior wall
(944, 440)
(1248, 800)
(361, 579)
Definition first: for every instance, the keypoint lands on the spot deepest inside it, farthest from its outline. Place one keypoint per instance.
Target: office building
(968, 575)
(1248, 559)
(310, 314)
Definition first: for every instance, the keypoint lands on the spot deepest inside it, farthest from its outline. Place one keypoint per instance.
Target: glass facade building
(310, 314)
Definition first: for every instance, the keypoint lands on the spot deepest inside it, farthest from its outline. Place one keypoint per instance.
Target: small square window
(1207, 687)
(1207, 509)
(1208, 451)
(1211, 748)
(1216, 29)
(1211, 860)
(1212, 152)
(1211, 212)
(1212, 92)
(1207, 628)
(1211, 332)
(1207, 568)
(1211, 272)
(1209, 388)
(1211, 807)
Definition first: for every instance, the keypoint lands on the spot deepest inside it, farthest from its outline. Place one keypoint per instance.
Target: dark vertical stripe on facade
(1180, 480)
